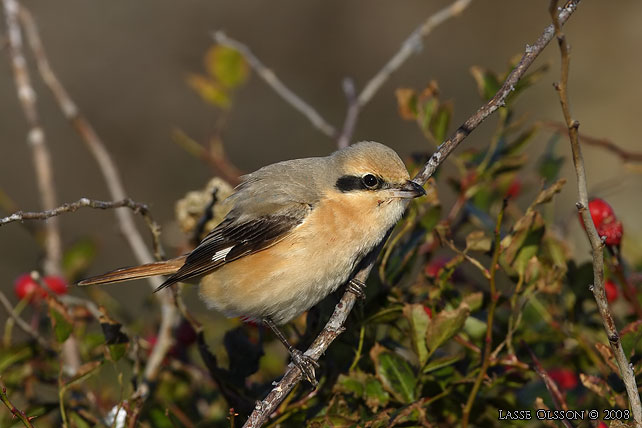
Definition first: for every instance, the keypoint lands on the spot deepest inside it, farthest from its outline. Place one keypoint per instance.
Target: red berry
(611, 291)
(564, 378)
(612, 231)
(432, 269)
(601, 212)
(428, 311)
(602, 425)
(26, 287)
(185, 333)
(56, 284)
(514, 189)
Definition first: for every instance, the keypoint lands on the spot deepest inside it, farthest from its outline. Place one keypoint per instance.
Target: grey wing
(235, 238)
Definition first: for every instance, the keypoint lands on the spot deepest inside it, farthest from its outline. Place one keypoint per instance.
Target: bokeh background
(125, 64)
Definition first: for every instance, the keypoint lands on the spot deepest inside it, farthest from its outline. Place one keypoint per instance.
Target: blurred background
(126, 66)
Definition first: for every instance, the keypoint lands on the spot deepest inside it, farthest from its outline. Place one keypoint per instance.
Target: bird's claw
(356, 287)
(306, 365)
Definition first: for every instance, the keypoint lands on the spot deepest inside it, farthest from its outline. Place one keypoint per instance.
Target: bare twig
(624, 155)
(275, 83)
(556, 395)
(597, 246)
(117, 191)
(35, 137)
(22, 323)
(494, 296)
(136, 207)
(334, 326)
(20, 414)
(411, 45)
(351, 115)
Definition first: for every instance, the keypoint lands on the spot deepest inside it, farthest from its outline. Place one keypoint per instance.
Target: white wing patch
(220, 254)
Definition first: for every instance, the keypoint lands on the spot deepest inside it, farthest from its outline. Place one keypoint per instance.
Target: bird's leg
(303, 362)
(356, 287)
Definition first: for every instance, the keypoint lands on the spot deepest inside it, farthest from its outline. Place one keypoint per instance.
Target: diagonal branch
(624, 155)
(597, 245)
(355, 102)
(275, 83)
(117, 191)
(35, 137)
(410, 46)
(334, 326)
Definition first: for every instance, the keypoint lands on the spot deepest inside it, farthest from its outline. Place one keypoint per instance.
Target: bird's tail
(165, 267)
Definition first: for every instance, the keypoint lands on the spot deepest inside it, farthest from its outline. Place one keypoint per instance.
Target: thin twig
(334, 326)
(494, 296)
(136, 207)
(410, 46)
(20, 414)
(117, 192)
(624, 155)
(556, 395)
(277, 85)
(597, 246)
(351, 115)
(22, 323)
(35, 138)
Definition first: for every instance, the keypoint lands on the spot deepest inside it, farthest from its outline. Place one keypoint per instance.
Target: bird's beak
(408, 190)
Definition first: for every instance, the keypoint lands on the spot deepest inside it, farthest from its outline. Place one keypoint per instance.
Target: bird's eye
(370, 181)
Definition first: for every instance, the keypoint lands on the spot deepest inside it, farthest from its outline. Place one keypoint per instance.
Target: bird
(295, 232)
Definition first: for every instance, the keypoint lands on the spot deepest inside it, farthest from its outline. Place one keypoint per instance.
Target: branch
(35, 137)
(22, 323)
(275, 83)
(334, 326)
(351, 115)
(626, 370)
(556, 395)
(410, 46)
(116, 189)
(136, 207)
(494, 297)
(26, 420)
(624, 155)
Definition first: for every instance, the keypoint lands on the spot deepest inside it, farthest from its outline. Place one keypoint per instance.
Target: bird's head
(373, 177)
(374, 171)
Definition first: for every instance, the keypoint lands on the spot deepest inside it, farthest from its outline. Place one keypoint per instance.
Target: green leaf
(522, 139)
(62, 328)
(441, 120)
(418, 319)
(487, 82)
(630, 336)
(227, 66)
(524, 241)
(13, 355)
(445, 325)
(478, 241)
(474, 300)
(394, 373)
(375, 395)
(475, 328)
(442, 362)
(60, 319)
(209, 90)
(83, 373)
(407, 103)
(546, 195)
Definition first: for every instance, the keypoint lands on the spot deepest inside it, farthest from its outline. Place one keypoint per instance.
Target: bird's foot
(357, 287)
(306, 365)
